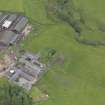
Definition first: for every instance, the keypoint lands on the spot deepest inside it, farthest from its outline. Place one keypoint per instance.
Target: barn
(11, 27)
(7, 37)
(20, 25)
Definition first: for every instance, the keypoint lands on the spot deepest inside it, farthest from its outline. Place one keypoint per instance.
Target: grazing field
(11, 5)
(36, 10)
(80, 80)
(94, 15)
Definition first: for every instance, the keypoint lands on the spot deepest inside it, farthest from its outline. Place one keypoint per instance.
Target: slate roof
(3, 18)
(1, 15)
(6, 37)
(21, 24)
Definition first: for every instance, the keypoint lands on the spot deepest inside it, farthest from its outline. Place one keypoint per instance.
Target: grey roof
(21, 24)
(6, 37)
(15, 76)
(3, 18)
(31, 66)
(30, 71)
(1, 15)
(19, 73)
(26, 76)
(13, 40)
(18, 18)
(12, 17)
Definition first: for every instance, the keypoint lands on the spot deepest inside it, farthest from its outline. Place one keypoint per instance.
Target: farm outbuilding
(11, 27)
(21, 25)
(7, 23)
(12, 17)
(6, 37)
(3, 18)
(1, 15)
(26, 72)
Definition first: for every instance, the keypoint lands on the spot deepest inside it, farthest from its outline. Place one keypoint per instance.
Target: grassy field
(11, 5)
(81, 79)
(36, 10)
(94, 15)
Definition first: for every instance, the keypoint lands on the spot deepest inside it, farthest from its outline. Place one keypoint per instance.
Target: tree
(13, 95)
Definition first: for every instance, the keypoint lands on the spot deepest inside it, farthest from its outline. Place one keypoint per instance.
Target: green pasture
(81, 79)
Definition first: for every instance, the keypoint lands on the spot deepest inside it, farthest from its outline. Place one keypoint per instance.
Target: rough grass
(35, 92)
(81, 80)
(93, 35)
(94, 15)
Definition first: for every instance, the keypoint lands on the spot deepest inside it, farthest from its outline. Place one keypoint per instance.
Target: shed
(1, 15)
(3, 18)
(7, 23)
(6, 37)
(14, 39)
(20, 25)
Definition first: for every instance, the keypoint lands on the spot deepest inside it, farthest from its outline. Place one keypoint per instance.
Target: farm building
(11, 27)
(20, 25)
(7, 38)
(3, 17)
(27, 72)
(0, 14)
(8, 22)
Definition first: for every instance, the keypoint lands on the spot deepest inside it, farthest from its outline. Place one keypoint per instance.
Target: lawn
(81, 79)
